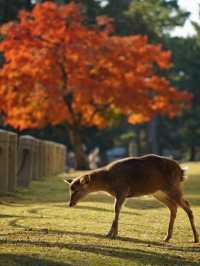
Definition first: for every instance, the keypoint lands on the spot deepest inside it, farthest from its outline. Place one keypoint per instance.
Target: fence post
(12, 162)
(53, 158)
(57, 158)
(63, 157)
(41, 158)
(25, 171)
(50, 158)
(47, 152)
(4, 143)
(36, 172)
(60, 158)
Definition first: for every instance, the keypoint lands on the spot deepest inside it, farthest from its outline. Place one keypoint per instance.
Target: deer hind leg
(184, 204)
(162, 197)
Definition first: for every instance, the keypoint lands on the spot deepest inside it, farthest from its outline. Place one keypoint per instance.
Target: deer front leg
(119, 200)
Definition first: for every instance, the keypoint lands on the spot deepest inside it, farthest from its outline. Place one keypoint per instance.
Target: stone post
(4, 147)
(25, 170)
(12, 162)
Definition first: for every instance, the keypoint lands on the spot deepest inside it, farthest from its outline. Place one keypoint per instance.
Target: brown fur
(137, 176)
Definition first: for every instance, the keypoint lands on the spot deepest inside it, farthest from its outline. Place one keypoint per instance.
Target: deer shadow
(135, 255)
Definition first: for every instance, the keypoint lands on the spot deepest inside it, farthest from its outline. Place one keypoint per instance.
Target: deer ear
(85, 180)
(68, 181)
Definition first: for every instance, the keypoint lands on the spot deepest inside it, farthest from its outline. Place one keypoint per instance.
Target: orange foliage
(60, 70)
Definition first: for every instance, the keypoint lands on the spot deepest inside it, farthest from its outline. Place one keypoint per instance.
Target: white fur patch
(185, 169)
(160, 194)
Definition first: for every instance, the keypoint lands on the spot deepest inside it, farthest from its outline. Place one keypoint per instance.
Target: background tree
(185, 74)
(155, 18)
(9, 9)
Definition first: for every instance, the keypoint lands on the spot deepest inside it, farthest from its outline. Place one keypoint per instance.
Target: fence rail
(25, 158)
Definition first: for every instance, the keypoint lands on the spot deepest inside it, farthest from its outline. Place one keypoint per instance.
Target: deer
(150, 174)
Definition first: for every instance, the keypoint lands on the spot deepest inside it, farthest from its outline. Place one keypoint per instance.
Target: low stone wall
(25, 158)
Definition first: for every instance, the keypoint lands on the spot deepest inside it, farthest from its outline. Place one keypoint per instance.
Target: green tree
(186, 74)
(155, 18)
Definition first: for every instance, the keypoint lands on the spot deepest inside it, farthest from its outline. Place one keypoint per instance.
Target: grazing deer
(137, 176)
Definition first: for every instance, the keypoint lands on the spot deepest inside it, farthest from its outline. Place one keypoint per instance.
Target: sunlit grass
(37, 228)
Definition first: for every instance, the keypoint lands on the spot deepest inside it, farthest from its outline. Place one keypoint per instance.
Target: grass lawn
(38, 228)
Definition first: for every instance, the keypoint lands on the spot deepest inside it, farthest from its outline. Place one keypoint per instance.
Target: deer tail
(184, 175)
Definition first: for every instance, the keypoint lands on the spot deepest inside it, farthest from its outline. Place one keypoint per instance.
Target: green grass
(38, 229)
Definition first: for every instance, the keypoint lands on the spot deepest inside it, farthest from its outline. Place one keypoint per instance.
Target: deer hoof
(111, 235)
(166, 240)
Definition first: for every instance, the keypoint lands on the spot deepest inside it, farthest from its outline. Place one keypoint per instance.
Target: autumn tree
(58, 70)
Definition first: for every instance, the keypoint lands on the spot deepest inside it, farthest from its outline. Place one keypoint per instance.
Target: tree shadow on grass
(135, 255)
(161, 244)
(10, 216)
(24, 260)
(94, 208)
(143, 203)
(148, 243)
(46, 231)
(76, 233)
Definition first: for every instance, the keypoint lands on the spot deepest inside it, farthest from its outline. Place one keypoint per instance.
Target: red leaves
(50, 54)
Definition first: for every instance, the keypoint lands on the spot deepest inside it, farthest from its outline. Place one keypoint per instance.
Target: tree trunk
(81, 158)
(192, 153)
(152, 136)
(138, 141)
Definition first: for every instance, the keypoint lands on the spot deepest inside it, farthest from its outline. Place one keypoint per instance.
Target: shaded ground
(38, 229)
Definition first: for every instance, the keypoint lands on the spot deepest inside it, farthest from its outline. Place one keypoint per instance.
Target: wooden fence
(25, 158)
